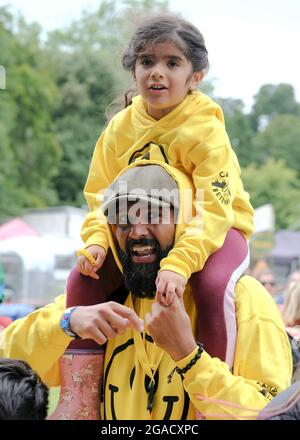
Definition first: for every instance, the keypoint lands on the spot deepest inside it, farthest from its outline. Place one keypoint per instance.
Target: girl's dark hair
(158, 29)
(161, 28)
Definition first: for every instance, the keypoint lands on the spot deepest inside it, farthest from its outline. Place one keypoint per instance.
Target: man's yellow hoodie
(262, 364)
(191, 138)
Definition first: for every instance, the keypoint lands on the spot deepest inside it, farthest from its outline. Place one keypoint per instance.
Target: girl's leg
(86, 291)
(213, 291)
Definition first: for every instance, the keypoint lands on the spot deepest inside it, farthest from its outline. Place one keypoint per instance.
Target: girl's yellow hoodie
(191, 138)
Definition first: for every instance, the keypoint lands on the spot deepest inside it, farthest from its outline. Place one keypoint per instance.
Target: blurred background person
(291, 309)
(1, 283)
(294, 276)
(268, 280)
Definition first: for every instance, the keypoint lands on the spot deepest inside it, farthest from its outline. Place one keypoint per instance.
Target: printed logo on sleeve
(221, 188)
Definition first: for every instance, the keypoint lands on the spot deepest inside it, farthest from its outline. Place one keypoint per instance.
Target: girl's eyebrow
(150, 55)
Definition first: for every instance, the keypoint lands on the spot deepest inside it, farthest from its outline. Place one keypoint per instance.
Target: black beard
(140, 277)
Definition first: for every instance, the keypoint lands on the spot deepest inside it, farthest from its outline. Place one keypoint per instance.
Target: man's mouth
(143, 254)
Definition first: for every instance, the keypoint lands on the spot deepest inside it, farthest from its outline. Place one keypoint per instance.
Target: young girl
(169, 119)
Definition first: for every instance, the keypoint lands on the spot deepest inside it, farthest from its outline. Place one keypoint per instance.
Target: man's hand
(169, 283)
(85, 267)
(171, 329)
(104, 321)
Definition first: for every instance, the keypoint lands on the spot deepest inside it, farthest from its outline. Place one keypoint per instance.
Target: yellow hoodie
(191, 138)
(262, 363)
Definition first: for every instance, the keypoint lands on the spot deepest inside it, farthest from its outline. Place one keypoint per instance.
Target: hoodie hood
(195, 103)
(185, 214)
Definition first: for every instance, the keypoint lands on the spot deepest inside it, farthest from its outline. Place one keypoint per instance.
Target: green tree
(280, 140)
(277, 184)
(238, 126)
(29, 150)
(85, 60)
(271, 101)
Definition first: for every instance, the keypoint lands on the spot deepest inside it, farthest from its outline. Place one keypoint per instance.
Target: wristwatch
(65, 322)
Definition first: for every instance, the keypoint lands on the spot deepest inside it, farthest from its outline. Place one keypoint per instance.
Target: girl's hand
(85, 266)
(169, 283)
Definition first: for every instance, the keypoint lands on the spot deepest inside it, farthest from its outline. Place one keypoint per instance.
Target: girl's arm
(221, 203)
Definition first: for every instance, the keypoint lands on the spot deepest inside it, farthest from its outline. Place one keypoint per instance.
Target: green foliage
(277, 184)
(28, 143)
(238, 126)
(280, 140)
(53, 111)
(272, 100)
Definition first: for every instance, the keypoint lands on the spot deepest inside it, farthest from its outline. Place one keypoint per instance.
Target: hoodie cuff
(98, 240)
(180, 270)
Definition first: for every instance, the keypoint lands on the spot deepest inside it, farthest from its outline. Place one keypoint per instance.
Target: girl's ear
(133, 73)
(196, 79)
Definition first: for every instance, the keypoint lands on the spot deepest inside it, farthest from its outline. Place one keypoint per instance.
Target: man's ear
(196, 79)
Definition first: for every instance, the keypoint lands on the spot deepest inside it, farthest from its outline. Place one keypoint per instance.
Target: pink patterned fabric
(81, 376)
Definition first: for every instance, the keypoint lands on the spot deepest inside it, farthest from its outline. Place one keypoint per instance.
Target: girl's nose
(157, 73)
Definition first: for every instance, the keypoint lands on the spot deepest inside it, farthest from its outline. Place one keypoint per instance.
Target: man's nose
(138, 231)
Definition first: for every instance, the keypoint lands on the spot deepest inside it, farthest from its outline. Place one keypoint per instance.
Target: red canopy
(15, 228)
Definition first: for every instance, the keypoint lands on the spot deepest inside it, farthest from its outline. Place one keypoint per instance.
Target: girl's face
(164, 76)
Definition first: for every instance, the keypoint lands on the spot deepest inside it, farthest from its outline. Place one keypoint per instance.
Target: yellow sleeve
(217, 182)
(103, 170)
(262, 365)
(38, 339)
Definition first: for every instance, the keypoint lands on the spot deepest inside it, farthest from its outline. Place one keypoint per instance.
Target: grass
(53, 399)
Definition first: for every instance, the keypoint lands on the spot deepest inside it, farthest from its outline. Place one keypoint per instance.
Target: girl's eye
(173, 64)
(146, 62)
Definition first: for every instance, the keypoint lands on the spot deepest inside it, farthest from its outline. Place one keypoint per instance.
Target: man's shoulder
(252, 299)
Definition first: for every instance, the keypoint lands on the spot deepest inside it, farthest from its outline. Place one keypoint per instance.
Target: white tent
(36, 268)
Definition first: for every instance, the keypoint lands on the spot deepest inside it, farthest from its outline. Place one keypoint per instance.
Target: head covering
(151, 184)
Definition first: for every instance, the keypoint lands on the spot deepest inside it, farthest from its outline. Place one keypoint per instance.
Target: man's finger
(130, 314)
(107, 329)
(98, 336)
(119, 323)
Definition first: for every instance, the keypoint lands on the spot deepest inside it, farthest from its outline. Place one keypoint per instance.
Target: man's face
(268, 281)
(143, 240)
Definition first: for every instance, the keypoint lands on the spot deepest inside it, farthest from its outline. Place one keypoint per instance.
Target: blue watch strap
(65, 322)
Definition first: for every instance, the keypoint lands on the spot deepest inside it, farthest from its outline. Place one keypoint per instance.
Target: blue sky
(250, 42)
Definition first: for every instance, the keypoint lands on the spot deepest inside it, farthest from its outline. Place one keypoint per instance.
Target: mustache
(142, 242)
(140, 278)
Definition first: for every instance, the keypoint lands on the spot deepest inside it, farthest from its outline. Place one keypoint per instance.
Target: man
(267, 279)
(154, 366)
